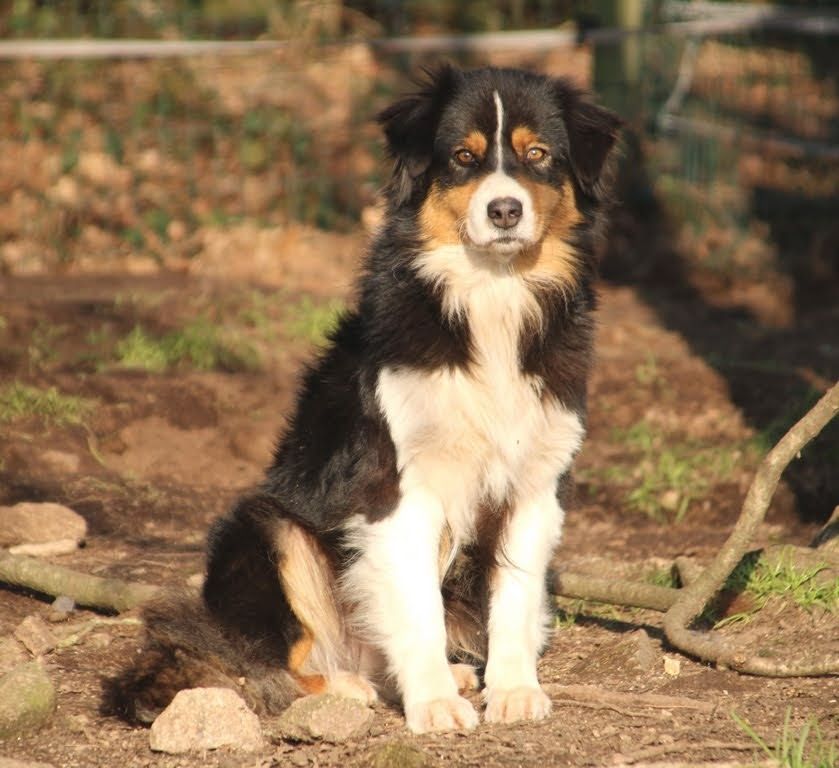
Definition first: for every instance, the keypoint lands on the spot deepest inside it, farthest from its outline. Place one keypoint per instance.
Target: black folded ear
(592, 133)
(409, 126)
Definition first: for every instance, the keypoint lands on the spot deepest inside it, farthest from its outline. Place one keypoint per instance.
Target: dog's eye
(535, 155)
(465, 158)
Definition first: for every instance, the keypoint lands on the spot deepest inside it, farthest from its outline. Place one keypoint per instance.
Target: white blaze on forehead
(499, 112)
(479, 228)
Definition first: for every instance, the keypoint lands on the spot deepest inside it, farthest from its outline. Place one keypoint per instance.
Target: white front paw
(511, 704)
(449, 714)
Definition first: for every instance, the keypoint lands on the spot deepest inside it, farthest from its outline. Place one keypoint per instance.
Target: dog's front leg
(517, 612)
(397, 581)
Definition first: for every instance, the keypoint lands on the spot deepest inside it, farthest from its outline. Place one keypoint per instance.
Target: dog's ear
(592, 133)
(409, 126)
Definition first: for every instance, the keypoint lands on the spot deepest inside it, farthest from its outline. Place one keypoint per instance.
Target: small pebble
(61, 608)
(672, 667)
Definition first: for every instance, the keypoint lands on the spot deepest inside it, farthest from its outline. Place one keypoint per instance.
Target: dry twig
(592, 694)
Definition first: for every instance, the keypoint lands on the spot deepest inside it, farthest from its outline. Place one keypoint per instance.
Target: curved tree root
(92, 591)
(691, 601)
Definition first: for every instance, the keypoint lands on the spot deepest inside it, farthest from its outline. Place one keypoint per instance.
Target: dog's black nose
(504, 212)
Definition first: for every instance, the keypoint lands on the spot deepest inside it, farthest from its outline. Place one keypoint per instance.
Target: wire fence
(145, 131)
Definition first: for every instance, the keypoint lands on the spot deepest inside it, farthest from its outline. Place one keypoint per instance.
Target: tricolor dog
(401, 538)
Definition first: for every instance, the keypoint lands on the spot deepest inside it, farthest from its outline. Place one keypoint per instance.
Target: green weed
(807, 748)
(200, 345)
(780, 578)
(313, 322)
(141, 351)
(20, 400)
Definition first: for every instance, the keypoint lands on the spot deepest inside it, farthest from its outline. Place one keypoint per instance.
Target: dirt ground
(160, 453)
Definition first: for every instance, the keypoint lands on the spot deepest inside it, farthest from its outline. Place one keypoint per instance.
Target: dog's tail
(243, 633)
(187, 647)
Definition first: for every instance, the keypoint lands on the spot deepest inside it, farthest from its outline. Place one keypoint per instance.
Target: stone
(33, 522)
(34, 633)
(27, 699)
(324, 718)
(206, 718)
(398, 754)
(61, 608)
(672, 667)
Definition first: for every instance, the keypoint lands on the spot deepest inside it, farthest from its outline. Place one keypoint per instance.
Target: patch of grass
(669, 478)
(313, 322)
(141, 351)
(781, 578)
(807, 748)
(20, 400)
(199, 344)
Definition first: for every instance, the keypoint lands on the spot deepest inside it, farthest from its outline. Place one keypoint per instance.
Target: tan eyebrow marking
(476, 143)
(523, 138)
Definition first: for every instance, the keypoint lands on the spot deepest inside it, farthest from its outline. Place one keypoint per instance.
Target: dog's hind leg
(322, 659)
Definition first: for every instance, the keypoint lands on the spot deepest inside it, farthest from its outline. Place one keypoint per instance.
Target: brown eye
(465, 158)
(535, 155)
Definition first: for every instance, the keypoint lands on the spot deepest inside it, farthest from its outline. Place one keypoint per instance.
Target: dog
(402, 535)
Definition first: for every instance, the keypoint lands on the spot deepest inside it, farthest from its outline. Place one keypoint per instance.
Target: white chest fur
(486, 432)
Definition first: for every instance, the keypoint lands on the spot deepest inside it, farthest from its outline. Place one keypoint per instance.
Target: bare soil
(162, 454)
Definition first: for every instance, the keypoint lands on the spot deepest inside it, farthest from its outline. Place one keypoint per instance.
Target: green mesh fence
(128, 155)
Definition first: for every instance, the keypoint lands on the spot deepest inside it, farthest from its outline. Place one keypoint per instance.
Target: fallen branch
(92, 591)
(709, 646)
(592, 694)
(633, 594)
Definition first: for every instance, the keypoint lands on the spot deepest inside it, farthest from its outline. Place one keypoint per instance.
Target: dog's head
(497, 159)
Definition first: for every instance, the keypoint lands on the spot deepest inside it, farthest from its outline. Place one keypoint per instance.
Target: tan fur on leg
(309, 586)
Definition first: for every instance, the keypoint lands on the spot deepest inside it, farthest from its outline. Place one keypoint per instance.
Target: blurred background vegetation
(729, 184)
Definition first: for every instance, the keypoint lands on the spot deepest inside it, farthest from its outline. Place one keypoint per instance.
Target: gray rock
(61, 608)
(36, 635)
(324, 718)
(27, 699)
(206, 718)
(31, 522)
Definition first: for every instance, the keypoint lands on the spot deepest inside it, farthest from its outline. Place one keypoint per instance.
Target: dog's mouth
(503, 247)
